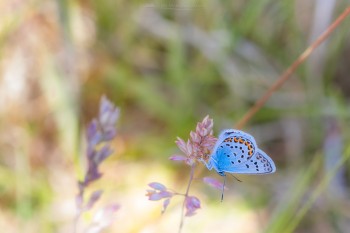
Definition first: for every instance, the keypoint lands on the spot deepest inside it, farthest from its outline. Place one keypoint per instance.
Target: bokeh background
(166, 64)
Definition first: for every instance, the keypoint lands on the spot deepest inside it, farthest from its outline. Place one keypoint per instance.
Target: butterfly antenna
(236, 178)
(223, 189)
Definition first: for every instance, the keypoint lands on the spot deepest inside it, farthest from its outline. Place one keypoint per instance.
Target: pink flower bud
(182, 145)
(195, 137)
(203, 132)
(178, 158)
(213, 182)
(192, 204)
(189, 148)
(165, 204)
(157, 186)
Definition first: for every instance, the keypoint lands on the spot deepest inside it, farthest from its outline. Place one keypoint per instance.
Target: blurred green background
(167, 64)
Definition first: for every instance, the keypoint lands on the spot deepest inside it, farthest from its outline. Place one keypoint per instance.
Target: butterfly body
(237, 152)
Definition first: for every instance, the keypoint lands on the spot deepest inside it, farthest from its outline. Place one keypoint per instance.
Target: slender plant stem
(76, 221)
(186, 195)
(287, 74)
(79, 209)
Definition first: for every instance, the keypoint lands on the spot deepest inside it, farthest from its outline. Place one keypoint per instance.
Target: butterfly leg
(223, 188)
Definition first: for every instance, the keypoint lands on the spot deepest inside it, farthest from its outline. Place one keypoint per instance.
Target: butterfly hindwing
(259, 163)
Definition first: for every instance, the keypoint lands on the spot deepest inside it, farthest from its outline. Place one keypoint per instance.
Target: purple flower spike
(99, 133)
(108, 116)
(102, 154)
(192, 204)
(95, 196)
(109, 134)
(92, 174)
(93, 134)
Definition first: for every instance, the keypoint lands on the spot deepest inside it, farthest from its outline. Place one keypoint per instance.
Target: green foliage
(166, 69)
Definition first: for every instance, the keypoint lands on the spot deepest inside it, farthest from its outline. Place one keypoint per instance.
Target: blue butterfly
(237, 152)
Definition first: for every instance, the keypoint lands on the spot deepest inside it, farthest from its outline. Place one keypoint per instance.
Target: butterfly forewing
(234, 150)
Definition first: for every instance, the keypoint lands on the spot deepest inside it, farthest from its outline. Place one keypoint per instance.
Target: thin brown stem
(186, 195)
(287, 74)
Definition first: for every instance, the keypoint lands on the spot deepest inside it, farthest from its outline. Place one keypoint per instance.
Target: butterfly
(237, 152)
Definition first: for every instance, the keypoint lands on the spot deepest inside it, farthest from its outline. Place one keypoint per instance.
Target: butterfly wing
(235, 133)
(259, 163)
(232, 149)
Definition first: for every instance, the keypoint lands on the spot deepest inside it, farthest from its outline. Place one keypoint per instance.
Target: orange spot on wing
(228, 140)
